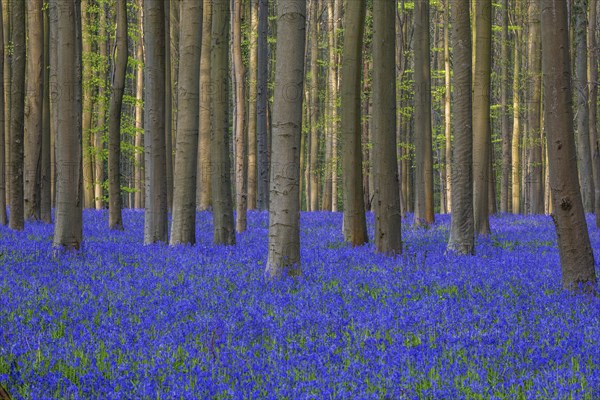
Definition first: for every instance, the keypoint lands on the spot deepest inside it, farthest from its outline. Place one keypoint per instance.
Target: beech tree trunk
(100, 106)
(252, 92)
(138, 200)
(584, 152)
(241, 183)
(593, 55)
(576, 256)
(423, 149)
(115, 219)
(535, 179)
(47, 149)
(355, 226)
(16, 134)
(481, 114)
(448, 108)
(284, 207)
(314, 108)
(88, 101)
(504, 118)
(223, 223)
(183, 226)
(204, 186)
(388, 219)
(65, 74)
(33, 110)
(155, 215)
(462, 238)
(261, 106)
(3, 216)
(516, 131)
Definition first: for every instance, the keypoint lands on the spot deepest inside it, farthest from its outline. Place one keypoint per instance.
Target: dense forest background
(176, 103)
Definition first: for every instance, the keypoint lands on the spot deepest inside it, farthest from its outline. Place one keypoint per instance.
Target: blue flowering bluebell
(123, 320)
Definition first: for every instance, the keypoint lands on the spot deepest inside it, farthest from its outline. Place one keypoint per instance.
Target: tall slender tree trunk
(17, 87)
(183, 227)
(168, 105)
(584, 153)
(536, 179)
(516, 130)
(388, 218)
(481, 114)
(47, 150)
(33, 110)
(223, 223)
(284, 207)
(505, 120)
(155, 216)
(355, 226)
(7, 93)
(138, 201)
(576, 256)
(261, 106)
(204, 191)
(448, 108)
(423, 145)
(88, 101)
(115, 219)
(100, 105)
(593, 55)
(241, 183)
(3, 216)
(462, 239)
(66, 65)
(366, 129)
(314, 109)
(252, 92)
(332, 77)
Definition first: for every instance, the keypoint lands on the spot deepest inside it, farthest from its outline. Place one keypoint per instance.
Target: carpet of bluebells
(122, 320)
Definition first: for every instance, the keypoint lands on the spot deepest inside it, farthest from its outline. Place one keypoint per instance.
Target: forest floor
(123, 320)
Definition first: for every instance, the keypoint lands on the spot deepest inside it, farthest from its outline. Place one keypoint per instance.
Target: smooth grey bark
(584, 153)
(239, 113)
(16, 134)
(462, 236)
(47, 149)
(88, 105)
(313, 108)
(115, 219)
(138, 200)
(3, 216)
(66, 65)
(504, 118)
(388, 238)
(535, 179)
(261, 107)
(593, 55)
(204, 185)
(516, 131)
(252, 93)
(183, 225)
(100, 106)
(155, 215)
(423, 139)
(223, 222)
(7, 92)
(33, 110)
(576, 256)
(448, 108)
(481, 115)
(284, 207)
(355, 226)
(169, 109)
